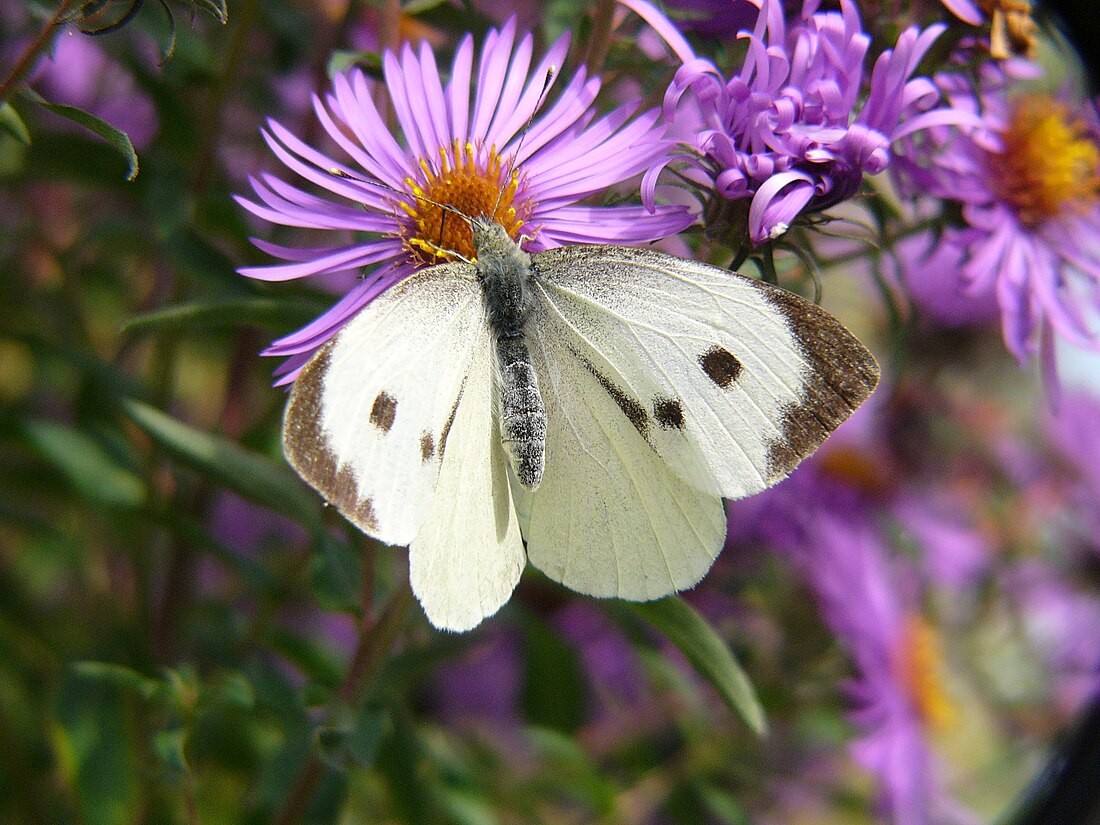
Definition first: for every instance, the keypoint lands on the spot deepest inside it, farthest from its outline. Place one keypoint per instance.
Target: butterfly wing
(610, 517)
(730, 380)
(468, 556)
(393, 422)
(369, 413)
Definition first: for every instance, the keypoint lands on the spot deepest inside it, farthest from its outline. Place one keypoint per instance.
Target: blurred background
(188, 636)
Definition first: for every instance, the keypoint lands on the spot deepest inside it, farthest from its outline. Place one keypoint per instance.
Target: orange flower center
(1050, 165)
(922, 673)
(469, 188)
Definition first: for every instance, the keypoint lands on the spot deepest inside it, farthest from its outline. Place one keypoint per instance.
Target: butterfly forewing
(732, 382)
(370, 413)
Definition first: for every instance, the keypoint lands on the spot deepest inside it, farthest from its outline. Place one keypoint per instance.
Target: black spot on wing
(450, 420)
(669, 413)
(634, 411)
(720, 366)
(308, 451)
(384, 411)
(427, 447)
(840, 373)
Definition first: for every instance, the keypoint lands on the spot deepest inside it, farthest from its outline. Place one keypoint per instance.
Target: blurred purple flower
(1063, 626)
(720, 19)
(1029, 185)
(931, 269)
(609, 660)
(798, 127)
(484, 682)
(953, 550)
(1074, 429)
(80, 73)
(965, 10)
(531, 186)
(824, 521)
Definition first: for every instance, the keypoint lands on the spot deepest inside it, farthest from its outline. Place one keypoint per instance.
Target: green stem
(600, 41)
(376, 639)
(226, 83)
(328, 41)
(906, 231)
(26, 60)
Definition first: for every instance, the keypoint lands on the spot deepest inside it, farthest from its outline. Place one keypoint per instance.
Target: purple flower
(477, 155)
(485, 682)
(615, 678)
(954, 551)
(826, 522)
(801, 123)
(713, 18)
(1029, 185)
(80, 73)
(965, 10)
(931, 271)
(1063, 626)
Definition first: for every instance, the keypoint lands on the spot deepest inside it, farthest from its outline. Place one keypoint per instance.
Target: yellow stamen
(472, 189)
(1050, 165)
(922, 673)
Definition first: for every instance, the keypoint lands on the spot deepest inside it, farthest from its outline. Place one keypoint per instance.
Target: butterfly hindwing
(731, 381)
(468, 555)
(370, 412)
(610, 518)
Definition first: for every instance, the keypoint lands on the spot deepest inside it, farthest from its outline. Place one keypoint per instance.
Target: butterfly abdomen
(505, 273)
(522, 414)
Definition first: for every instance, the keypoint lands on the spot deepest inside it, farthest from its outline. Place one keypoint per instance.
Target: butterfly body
(586, 408)
(504, 271)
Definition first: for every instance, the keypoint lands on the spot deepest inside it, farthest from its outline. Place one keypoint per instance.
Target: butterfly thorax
(504, 271)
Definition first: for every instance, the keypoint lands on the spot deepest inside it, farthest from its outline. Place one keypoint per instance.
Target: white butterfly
(594, 403)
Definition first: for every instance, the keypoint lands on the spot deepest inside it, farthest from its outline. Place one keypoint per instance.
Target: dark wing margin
(307, 450)
(842, 374)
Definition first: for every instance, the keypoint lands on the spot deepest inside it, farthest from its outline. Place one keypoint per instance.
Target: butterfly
(586, 408)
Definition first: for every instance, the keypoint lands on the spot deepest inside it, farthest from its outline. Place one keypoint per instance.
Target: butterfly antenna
(547, 81)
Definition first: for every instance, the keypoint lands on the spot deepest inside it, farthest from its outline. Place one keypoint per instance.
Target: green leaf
(169, 746)
(250, 474)
(554, 693)
(93, 744)
(217, 8)
(118, 676)
(343, 59)
(91, 471)
(351, 738)
(465, 807)
(262, 312)
(114, 136)
(707, 652)
(336, 575)
(230, 688)
(569, 768)
(11, 123)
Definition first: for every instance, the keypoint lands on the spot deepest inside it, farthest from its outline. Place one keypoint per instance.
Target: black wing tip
(842, 374)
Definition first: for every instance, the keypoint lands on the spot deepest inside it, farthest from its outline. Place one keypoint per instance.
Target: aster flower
(823, 520)
(477, 155)
(929, 267)
(1060, 624)
(797, 128)
(1029, 186)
